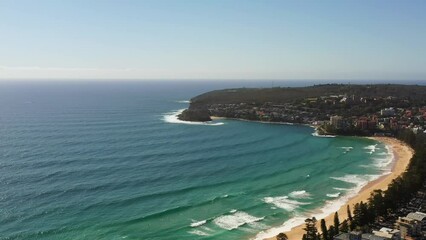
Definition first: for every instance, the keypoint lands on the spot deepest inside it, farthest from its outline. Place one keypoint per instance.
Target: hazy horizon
(168, 39)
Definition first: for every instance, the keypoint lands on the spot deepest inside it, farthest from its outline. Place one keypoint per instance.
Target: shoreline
(402, 154)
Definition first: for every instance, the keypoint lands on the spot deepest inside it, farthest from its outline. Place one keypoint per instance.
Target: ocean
(108, 160)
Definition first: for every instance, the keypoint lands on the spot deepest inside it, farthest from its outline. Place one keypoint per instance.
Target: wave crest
(235, 220)
(299, 194)
(284, 203)
(172, 117)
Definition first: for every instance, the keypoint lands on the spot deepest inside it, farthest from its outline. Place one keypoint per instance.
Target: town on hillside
(335, 114)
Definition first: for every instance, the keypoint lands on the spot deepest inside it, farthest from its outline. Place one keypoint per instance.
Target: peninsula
(333, 108)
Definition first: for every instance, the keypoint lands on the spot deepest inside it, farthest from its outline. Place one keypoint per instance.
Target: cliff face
(195, 115)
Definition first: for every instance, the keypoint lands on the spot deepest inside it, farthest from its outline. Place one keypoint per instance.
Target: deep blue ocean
(108, 160)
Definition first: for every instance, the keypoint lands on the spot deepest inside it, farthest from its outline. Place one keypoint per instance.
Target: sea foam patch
(284, 203)
(333, 195)
(235, 220)
(372, 148)
(199, 232)
(172, 117)
(198, 223)
(285, 227)
(347, 149)
(299, 194)
(358, 180)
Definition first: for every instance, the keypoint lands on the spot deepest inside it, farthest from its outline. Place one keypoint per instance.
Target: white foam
(382, 162)
(284, 203)
(172, 117)
(299, 194)
(347, 149)
(329, 208)
(198, 232)
(372, 148)
(333, 195)
(184, 101)
(315, 134)
(341, 189)
(359, 180)
(235, 220)
(287, 226)
(199, 223)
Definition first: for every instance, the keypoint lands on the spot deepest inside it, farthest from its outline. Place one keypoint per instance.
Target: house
(388, 233)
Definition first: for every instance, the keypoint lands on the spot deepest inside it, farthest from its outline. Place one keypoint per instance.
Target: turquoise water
(101, 161)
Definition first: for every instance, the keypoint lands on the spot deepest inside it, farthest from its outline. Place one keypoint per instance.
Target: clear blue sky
(213, 39)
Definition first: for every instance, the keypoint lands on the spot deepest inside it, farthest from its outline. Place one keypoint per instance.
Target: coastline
(402, 154)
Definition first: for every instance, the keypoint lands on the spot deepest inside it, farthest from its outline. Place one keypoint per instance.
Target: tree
(311, 229)
(357, 216)
(351, 220)
(282, 236)
(336, 222)
(344, 227)
(324, 230)
(349, 213)
(331, 232)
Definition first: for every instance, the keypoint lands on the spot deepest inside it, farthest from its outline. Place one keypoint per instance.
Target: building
(348, 236)
(369, 236)
(387, 112)
(336, 122)
(388, 233)
(411, 225)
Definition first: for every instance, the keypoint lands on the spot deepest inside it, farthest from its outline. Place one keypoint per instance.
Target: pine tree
(351, 220)
(311, 229)
(282, 236)
(324, 230)
(365, 215)
(357, 216)
(349, 213)
(336, 223)
(344, 227)
(331, 232)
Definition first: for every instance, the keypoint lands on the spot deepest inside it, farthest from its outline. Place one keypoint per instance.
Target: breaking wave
(235, 220)
(172, 117)
(333, 195)
(299, 194)
(372, 148)
(199, 223)
(284, 203)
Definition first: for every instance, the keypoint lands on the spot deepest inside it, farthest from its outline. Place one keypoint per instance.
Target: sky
(213, 39)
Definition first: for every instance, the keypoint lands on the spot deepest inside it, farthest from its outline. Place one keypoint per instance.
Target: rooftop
(418, 216)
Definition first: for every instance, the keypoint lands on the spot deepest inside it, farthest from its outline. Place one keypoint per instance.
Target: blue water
(108, 161)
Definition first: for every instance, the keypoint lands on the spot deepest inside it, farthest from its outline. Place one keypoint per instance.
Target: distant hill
(285, 95)
(198, 109)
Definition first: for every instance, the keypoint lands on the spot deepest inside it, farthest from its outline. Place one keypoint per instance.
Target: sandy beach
(402, 155)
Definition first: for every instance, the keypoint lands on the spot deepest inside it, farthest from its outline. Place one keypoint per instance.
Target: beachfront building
(354, 235)
(388, 233)
(411, 225)
(359, 236)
